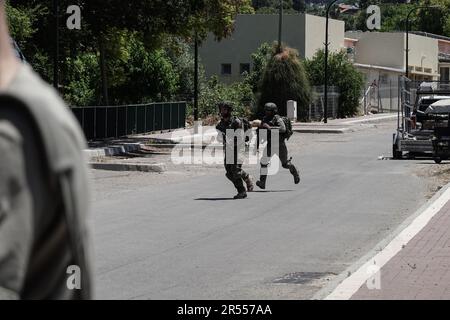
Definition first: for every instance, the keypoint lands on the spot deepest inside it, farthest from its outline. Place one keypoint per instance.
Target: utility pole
(325, 107)
(196, 78)
(280, 28)
(56, 47)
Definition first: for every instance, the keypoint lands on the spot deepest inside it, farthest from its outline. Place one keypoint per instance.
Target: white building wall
(424, 52)
(305, 33)
(315, 35)
(381, 49)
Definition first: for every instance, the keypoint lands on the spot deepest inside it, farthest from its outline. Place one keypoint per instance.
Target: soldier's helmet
(225, 104)
(271, 107)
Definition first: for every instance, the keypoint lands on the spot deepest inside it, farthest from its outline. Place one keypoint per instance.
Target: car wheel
(395, 153)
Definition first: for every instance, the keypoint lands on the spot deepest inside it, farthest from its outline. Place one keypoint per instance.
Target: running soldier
(272, 121)
(233, 162)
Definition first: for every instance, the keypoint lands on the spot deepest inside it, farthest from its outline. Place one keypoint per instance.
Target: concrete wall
(387, 49)
(253, 30)
(315, 35)
(381, 49)
(423, 52)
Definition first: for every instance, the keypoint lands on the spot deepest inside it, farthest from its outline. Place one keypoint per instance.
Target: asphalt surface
(178, 235)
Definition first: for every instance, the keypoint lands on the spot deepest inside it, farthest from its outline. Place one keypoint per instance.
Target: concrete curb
(140, 167)
(177, 138)
(373, 120)
(330, 289)
(111, 151)
(323, 130)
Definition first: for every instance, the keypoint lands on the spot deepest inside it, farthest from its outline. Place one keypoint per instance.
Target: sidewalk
(336, 126)
(415, 265)
(422, 269)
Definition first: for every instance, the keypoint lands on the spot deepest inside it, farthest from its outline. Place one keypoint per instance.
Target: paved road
(183, 239)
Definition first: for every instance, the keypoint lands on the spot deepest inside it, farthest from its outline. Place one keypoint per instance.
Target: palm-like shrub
(285, 79)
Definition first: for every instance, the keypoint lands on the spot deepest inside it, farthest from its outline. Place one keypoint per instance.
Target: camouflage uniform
(276, 122)
(233, 167)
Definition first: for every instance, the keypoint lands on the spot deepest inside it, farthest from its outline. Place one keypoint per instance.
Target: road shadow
(432, 163)
(249, 193)
(271, 191)
(213, 199)
(422, 160)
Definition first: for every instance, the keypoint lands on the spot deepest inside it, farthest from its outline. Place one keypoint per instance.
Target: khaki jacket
(44, 195)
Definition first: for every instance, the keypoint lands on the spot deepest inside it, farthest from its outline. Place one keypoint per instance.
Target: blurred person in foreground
(44, 238)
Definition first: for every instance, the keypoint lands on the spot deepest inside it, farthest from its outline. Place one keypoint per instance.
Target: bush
(260, 59)
(285, 79)
(151, 73)
(83, 78)
(212, 92)
(342, 74)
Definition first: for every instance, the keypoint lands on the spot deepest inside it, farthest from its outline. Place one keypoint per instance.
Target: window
(445, 73)
(245, 68)
(226, 69)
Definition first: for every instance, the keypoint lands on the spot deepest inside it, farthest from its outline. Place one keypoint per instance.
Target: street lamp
(326, 61)
(407, 33)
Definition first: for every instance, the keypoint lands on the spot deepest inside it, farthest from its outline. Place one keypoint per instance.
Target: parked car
(439, 112)
(415, 126)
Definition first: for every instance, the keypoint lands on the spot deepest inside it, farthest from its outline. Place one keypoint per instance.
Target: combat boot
(295, 173)
(249, 184)
(240, 195)
(262, 182)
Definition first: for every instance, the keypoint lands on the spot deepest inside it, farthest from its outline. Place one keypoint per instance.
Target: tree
(260, 59)
(285, 79)
(82, 79)
(108, 28)
(21, 23)
(435, 20)
(299, 5)
(155, 19)
(342, 74)
(273, 6)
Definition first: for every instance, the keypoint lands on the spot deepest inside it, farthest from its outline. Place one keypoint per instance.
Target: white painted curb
(371, 120)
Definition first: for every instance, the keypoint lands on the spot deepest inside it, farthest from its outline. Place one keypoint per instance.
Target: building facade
(381, 56)
(231, 57)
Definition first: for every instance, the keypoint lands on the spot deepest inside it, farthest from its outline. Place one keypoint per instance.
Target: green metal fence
(120, 121)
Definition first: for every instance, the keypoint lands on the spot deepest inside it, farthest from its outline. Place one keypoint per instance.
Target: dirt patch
(438, 176)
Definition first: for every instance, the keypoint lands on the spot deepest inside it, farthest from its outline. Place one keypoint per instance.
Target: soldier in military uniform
(272, 121)
(44, 190)
(228, 129)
